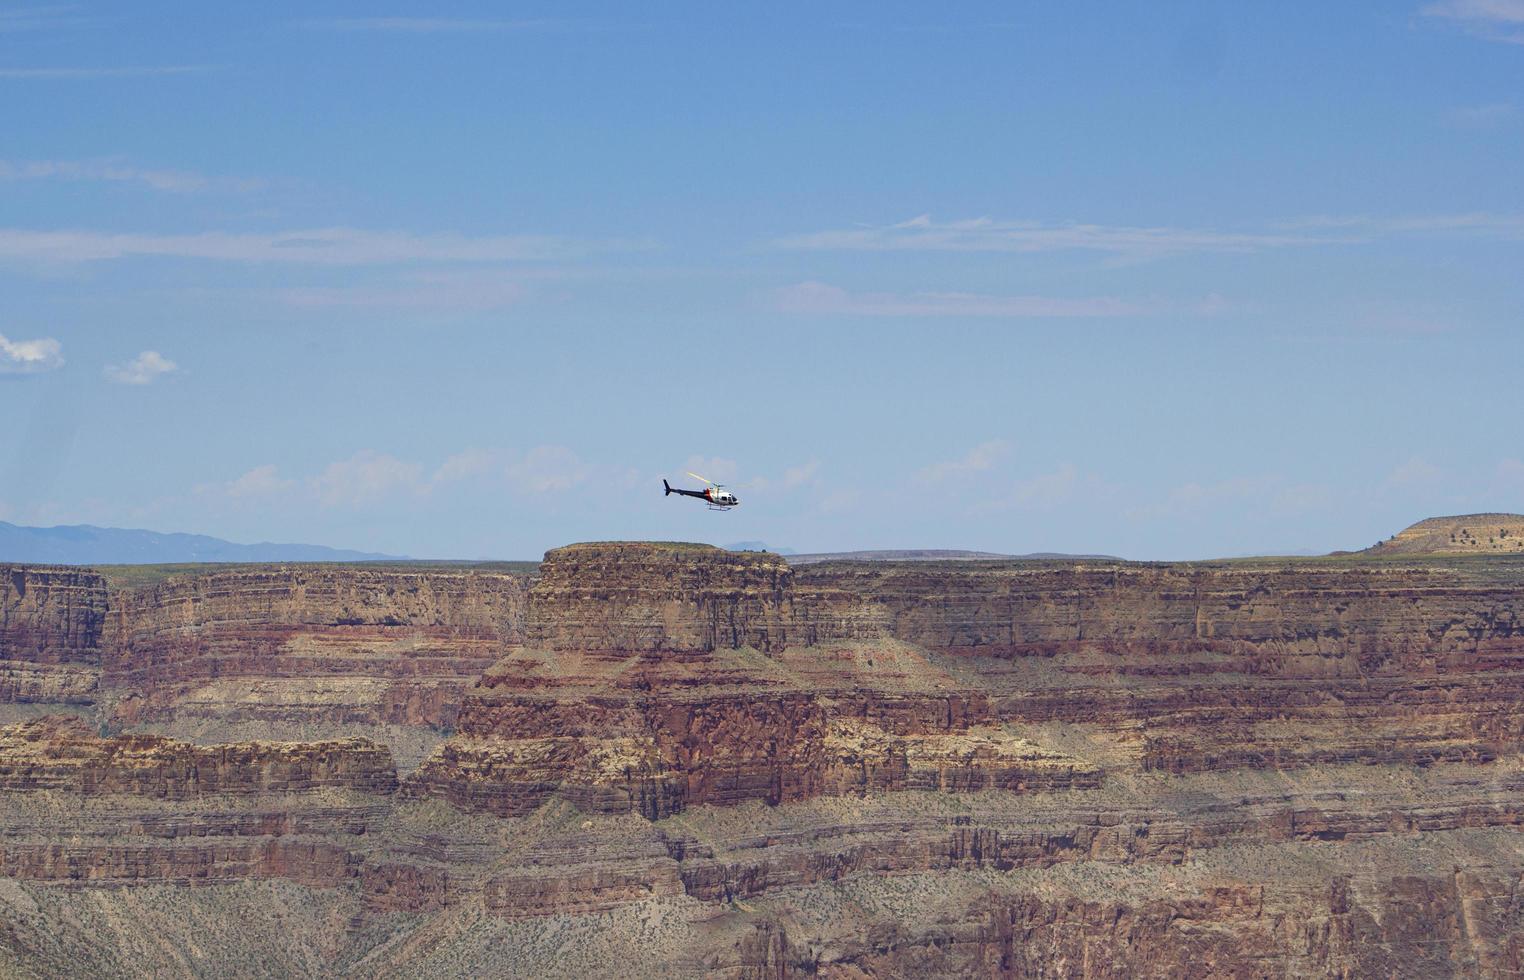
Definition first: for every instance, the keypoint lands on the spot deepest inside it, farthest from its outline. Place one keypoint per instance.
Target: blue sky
(467, 280)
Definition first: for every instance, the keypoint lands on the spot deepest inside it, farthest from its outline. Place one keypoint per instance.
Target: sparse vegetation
(146, 576)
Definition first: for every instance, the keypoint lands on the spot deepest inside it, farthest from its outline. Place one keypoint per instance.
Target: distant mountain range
(85, 544)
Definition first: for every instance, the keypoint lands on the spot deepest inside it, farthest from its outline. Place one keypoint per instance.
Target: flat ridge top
(1434, 522)
(658, 553)
(636, 546)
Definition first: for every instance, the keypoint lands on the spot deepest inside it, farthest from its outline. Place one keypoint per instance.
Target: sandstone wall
(1296, 619)
(61, 754)
(340, 643)
(634, 597)
(51, 615)
(244, 615)
(52, 624)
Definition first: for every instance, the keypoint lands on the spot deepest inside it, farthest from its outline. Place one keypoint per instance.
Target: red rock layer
(1297, 620)
(62, 754)
(51, 625)
(635, 597)
(51, 615)
(655, 752)
(405, 643)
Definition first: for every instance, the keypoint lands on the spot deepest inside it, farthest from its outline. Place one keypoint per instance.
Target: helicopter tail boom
(668, 490)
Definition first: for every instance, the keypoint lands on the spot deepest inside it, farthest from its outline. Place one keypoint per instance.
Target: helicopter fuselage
(716, 497)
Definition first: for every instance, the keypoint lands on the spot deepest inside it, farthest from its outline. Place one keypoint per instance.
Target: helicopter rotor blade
(702, 479)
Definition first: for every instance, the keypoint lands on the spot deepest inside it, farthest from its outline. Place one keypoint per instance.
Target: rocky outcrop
(61, 754)
(1468, 534)
(633, 597)
(51, 614)
(52, 621)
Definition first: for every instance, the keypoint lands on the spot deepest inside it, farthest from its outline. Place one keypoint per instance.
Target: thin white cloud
(443, 291)
(1302, 498)
(76, 74)
(547, 469)
(985, 235)
(1415, 472)
(1045, 490)
(922, 234)
(1503, 11)
(41, 19)
(540, 470)
(261, 481)
(1245, 493)
(320, 247)
(977, 460)
(364, 477)
(1471, 222)
(173, 181)
(426, 25)
(1496, 20)
(466, 465)
(144, 369)
(839, 501)
(1482, 116)
(1193, 496)
(1406, 324)
(793, 477)
(30, 356)
(797, 476)
(818, 298)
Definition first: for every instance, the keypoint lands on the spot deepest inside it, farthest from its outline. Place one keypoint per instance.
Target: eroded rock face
(62, 754)
(635, 597)
(656, 758)
(1288, 619)
(52, 621)
(314, 644)
(51, 614)
(632, 597)
(657, 755)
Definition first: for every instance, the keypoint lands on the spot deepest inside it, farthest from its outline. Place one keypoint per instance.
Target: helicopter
(714, 494)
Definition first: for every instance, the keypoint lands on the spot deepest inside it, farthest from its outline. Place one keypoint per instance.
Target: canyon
(660, 759)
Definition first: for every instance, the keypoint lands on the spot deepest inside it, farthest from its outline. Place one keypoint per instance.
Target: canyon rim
(667, 759)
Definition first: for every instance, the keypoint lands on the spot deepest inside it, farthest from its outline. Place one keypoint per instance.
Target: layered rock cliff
(631, 598)
(304, 650)
(658, 759)
(61, 754)
(52, 620)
